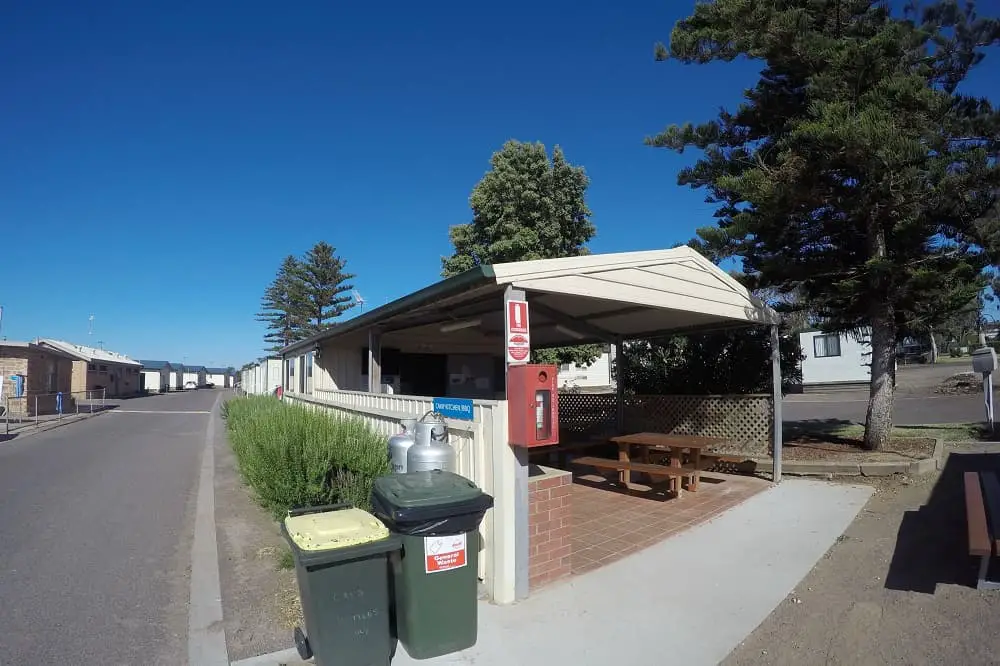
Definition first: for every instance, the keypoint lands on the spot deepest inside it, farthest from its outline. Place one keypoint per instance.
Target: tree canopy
(305, 297)
(526, 207)
(854, 173)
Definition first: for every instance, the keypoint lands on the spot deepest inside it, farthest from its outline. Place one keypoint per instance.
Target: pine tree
(283, 306)
(326, 285)
(854, 172)
(527, 207)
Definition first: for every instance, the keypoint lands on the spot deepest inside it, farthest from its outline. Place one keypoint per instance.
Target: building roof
(15, 344)
(194, 368)
(89, 354)
(217, 371)
(576, 300)
(155, 365)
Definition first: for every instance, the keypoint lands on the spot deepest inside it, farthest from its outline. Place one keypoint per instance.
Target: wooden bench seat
(663, 471)
(982, 511)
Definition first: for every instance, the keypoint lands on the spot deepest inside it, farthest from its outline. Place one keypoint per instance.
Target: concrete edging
(915, 468)
(29, 430)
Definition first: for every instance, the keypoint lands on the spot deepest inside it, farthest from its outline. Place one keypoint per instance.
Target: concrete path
(97, 520)
(690, 599)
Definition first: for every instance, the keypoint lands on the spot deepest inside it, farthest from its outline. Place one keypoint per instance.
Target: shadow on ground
(818, 430)
(932, 542)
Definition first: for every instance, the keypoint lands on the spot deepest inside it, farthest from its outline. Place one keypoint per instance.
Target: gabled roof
(217, 371)
(16, 345)
(574, 300)
(155, 365)
(194, 368)
(89, 354)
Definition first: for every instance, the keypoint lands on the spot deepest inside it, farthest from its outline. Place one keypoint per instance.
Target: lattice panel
(743, 420)
(586, 412)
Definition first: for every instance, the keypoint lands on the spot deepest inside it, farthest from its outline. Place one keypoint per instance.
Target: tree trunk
(934, 349)
(878, 421)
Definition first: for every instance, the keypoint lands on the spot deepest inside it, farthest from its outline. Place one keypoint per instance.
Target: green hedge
(292, 457)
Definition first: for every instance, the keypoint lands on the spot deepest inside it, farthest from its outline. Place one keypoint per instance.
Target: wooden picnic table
(675, 445)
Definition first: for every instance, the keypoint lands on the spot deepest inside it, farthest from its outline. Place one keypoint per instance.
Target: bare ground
(898, 588)
(260, 601)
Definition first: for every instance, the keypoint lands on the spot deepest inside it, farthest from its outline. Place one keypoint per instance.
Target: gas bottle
(430, 448)
(399, 444)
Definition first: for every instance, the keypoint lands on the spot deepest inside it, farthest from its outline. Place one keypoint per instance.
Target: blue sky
(157, 164)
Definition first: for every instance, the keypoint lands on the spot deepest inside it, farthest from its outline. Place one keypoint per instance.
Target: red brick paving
(609, 523)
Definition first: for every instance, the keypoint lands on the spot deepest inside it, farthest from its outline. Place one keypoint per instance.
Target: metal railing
(37, 409)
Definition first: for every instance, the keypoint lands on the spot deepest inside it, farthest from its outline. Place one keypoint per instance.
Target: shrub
(292, 457)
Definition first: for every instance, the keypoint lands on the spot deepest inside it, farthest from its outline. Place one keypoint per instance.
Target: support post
(776, 403)
(374, 361)
(521, 509)
(619, 388)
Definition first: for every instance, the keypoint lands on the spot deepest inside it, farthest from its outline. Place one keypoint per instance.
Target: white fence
(483, 457)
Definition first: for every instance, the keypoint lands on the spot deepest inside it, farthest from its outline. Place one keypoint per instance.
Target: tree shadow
(816, 430)
(932, 542)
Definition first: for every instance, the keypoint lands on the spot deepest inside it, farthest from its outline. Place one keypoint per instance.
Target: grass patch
(949, 432)
(293, 457)
(286, 560)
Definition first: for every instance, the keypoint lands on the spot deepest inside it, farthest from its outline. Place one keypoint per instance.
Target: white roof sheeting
(89, 354)
(679, 287)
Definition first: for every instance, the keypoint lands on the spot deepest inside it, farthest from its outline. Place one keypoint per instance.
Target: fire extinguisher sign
(444, 553)
(518, 336)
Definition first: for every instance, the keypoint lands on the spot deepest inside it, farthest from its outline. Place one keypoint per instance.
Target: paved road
(96, 521)
(907, 409)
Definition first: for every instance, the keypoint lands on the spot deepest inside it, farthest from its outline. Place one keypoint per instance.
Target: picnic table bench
(671, 474)
(982, 510)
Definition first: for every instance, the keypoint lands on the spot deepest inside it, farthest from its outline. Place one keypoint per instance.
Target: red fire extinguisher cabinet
(532, 405)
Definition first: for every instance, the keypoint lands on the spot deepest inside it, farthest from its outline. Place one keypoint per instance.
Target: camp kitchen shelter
(448, 340)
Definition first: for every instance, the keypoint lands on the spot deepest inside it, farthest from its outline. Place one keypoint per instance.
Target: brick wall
(33, 363)
(549, 545)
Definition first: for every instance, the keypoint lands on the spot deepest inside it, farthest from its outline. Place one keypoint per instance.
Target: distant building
(597, 375)
(196, 374)
(98, 369)
(219, 377)
(176, 381)
(155, 376)
(835, 360)
(32, 377)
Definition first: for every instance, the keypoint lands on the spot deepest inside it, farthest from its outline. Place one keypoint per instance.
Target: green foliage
(327, 286)
(854, 173)
(526, 207)
(283, 306)
(292, 457)
(711, 363)
(306, 296)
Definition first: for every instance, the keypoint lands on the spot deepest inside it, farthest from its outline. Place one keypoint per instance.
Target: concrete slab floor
(695, 595)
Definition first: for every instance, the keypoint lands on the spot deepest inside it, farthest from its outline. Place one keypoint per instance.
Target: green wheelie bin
(435, 581)
(342, 563)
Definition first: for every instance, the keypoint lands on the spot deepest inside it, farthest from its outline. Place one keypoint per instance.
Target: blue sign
(454, 408)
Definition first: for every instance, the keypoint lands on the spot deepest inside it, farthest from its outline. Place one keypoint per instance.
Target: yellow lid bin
(334, 529)
(342, 563)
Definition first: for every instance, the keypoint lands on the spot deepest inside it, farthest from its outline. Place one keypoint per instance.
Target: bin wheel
(302, 644)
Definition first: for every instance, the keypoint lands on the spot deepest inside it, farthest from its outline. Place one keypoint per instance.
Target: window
(53, 377)
(826, 345)
(103, 368)
(91, 367)
(565, 367)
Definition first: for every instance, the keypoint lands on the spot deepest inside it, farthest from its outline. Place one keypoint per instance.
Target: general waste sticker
(444, 553)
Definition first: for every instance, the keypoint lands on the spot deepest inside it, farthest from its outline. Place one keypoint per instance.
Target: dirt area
(260, 600)
(846, 449)
(897, 588)
(962, 383)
